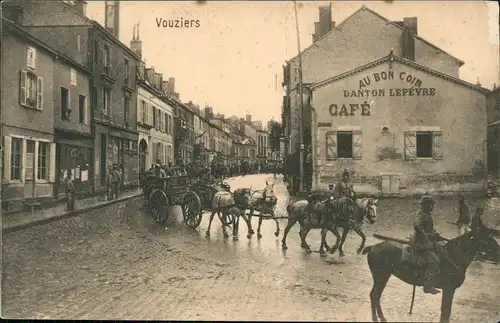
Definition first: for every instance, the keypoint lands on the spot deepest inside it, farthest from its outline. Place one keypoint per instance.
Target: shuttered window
(423, 144)
(344, 144)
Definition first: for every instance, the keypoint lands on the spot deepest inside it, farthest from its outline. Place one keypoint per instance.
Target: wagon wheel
(191, 209)
(147, 193)
(159, 205)
(226, 219)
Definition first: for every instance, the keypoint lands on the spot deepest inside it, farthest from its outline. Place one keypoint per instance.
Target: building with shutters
(155, 119)
(399, 128)
(184, 135)
(367, 38)
(113, 94)
(28, 102)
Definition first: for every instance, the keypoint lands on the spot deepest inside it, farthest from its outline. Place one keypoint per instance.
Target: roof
(388, 21)
(27, 35)
(392, 57)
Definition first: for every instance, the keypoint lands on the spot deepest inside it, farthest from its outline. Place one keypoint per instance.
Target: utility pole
(301, 105)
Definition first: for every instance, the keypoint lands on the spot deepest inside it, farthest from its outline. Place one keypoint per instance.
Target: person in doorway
(109, 184)
(70, 192)
(117, 179)
(424, 242)
(463, 215)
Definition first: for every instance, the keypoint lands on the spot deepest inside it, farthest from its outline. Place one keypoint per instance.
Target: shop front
(115, 146)
(73, 153)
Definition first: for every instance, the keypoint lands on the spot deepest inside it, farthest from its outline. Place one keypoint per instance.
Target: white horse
(263, 201)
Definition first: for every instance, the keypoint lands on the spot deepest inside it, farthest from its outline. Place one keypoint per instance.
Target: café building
(400, 128)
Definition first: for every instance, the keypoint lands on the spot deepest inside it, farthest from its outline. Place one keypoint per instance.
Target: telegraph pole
(301, 94)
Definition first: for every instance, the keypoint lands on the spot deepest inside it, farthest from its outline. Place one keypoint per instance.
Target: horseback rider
(423, 241)
(463, 215)
(343, 187)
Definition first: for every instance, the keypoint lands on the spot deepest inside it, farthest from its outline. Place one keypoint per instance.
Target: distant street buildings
(78, 101)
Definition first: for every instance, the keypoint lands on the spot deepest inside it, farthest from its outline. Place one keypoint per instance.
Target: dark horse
(332, 214)
(387, 258)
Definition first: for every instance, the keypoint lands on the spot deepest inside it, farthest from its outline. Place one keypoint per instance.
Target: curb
(69, 214)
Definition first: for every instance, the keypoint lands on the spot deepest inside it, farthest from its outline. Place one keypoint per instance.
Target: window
(96, 51)
(343, 144)
(65, 102)
(82, 109)
(30, 90)
(15, 159)
(423, 144)
(106, 98)
(30, 57)
(107, 58)
(167, 125)
(150, 115)
(144, 112)
(73, 77)
(126, 70)
(155, 117)
(162, 121)
(43, 161)
(126, 109)
(78, 43)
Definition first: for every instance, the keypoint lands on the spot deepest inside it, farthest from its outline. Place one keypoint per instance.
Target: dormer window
(30, 57)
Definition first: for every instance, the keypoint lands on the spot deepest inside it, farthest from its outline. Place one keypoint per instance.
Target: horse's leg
(363, 240)
(337, 241)
(345, 231)
(210, 223)
(236, 225)
(250, 230)
(259, 235)
(303, 235)
(379, 283)
(224, 232)
(277, 232)
(289, 225)
(446, 303)
(323, 241)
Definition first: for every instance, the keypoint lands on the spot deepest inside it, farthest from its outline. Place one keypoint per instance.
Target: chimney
(409, 32)
(136, 42)
(158, 80)
(171, 86)
(142, 70)
(150, 74)
(478, 83)
(81, 7)
(112, 17)
(249, 118)
(209, 113)
(164, 87)
(325, 23)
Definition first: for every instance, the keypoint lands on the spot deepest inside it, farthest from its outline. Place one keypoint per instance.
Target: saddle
(410, 256)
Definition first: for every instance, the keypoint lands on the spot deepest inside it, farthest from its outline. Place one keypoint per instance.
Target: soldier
(463, 215)
(343, 187)
(109, 184)
(160, 172)
(70, 192)
(423, 241)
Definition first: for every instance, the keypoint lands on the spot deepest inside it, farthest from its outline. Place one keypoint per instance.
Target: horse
(333, 212)
(388, 258)
(225, 203)
(263, 201)
(365, 208)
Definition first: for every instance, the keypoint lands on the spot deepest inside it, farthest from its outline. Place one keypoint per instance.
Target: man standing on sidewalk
(70, 192)
(116, 181)
(109, 185)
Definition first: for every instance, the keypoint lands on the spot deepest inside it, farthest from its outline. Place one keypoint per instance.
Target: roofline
(401, 61)
(20, 31)
(152, 90)
(115, 40)
(363, 7)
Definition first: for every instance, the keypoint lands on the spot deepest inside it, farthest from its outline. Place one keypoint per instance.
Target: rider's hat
(427, 199)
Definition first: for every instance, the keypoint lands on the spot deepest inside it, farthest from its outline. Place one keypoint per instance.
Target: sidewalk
(22, 220)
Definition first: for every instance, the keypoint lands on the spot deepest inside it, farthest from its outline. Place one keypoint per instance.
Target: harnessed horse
(263, 201)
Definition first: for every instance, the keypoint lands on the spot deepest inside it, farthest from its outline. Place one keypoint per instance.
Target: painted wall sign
(324, 124)
(389, 75)
(349, 110)
(390, 92)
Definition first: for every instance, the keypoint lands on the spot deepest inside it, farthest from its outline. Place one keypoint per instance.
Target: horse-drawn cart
(160, 194)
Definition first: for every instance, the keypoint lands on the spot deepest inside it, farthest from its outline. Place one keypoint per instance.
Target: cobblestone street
(117, 263)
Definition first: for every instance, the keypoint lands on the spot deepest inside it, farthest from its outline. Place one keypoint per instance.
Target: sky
(233, 60)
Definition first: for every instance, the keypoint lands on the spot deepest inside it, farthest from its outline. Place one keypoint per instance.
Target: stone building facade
(363, 37)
